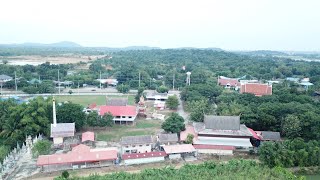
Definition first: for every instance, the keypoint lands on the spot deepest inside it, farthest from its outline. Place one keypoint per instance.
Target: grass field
(142, 127)
(84, 100)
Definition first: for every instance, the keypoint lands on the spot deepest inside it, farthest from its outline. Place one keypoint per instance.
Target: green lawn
(142, 127)
(84, 100)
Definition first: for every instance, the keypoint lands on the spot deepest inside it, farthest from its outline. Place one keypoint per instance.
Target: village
(216, 136)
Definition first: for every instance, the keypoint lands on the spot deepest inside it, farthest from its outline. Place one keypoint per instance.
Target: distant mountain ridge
(66, 44)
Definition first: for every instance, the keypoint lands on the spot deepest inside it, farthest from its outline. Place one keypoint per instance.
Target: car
(93, 89)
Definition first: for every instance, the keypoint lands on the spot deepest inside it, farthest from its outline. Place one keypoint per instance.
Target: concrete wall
(215, 151)
(174, 156)
(124, 118)
(143, 160)
(140, 148)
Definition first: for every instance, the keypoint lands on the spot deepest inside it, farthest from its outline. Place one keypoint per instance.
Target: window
(123, 117)
(147, 145)
(127, 151)
(140, 145)
(118, 117)
(133, 145)
(127, 146)
(133, 151)
(130, 117)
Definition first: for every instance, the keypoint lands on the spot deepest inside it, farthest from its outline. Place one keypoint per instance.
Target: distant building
(141, 158)
(4, 78)
(256, 88)
(214, 149)
(121, 114)
(269, 135)
(136, 144)
(60, 130)
(81, 156)
(167, 139)
(157, 96)
(292, 79)
(109, 82)
(228, 82)
(305, 83)
(116, 101)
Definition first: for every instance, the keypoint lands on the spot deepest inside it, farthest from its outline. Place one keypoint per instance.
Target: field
(142, 127)
(85, 100)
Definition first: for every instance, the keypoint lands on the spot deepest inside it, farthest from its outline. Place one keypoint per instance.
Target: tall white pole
(78, 87)
(15, 81)
(54, 112)
(139, 79)
(100, 79)
(173, 81)
(59, 80)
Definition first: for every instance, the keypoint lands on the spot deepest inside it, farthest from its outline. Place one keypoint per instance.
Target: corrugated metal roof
(87, 136)
(117, 101)
(118, 110)
(136, 140)
(256, 89)
(79, 154)
(180, 148)
(4, 77)
(62, 130)
(143, 155)
(222, 122)
(218, 147)
(164, 138)
(270, 135)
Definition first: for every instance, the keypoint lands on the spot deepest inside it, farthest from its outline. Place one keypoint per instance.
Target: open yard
(142, 127)
(84, 100)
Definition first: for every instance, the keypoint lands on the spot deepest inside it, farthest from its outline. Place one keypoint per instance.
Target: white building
(121, 114)
(136, 144)
(141, 158)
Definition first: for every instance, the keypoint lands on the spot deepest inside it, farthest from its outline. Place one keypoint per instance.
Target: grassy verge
(85, 100)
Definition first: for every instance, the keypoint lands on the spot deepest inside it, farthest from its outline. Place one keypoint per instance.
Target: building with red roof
(141, 158)
(179, 150)
(81, 156)
(87, 136)
(120, 113)
(256, 88)
(228, 82)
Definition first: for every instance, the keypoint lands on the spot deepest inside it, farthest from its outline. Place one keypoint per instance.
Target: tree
(5, 61)
(172, 102)
(42, 147)
(174, 123)
(162, 89)
(198, 110)
(107, 120)
(139, 94)
(189, 139)
(4, 150)
(71, 113)
(123, 88)
(92, 119)
(291, 126)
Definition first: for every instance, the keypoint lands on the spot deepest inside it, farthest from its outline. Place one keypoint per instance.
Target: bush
(162, 89)
(172, 102)
(123, 88)
(42, 147)
(65, 174)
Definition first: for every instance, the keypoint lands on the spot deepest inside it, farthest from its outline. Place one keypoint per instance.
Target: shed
(141, 158)
(168, 138)
(180, 150)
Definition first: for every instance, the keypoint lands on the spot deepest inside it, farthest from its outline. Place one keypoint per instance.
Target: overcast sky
(227, 24)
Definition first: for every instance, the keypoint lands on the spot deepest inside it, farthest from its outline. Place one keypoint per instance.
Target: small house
(228, 82)
(136, 144)
(179, 151)
(121, 114)
(88, 138)
(167, 139)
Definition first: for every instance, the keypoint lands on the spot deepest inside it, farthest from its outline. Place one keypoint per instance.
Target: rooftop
(118, 110)
(117, 101)
(3, 77)
(87, 136)
(79, 154)
(256, 89)
(269, 135)
(136, 140)
(179, 148)
(165, 138)
(217, 147)
(222, 122)
(62, 130)
(228, 81)
(189, 130)
(143, 155)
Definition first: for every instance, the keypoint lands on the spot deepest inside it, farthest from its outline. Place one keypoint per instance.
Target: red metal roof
(254, 134)
(230, 82)
(189, 130)
(87, 136)
(179, 148)
(256, 89)
(118, 110)
(79, 154)
(218, 147)
(92, 106)
(143, 155)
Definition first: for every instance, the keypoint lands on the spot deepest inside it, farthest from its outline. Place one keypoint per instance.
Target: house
(4, 78)
(228, 82)
(88, 138)
(179, 150)
(136, 144)
(305, 83)
(109, 82)
(269, 135)
(141, 158)
(223, 130)
(167, 139)
(160, 105)
(126, 114)
(81, 156)
(292, 79)
(244, 81)
(256, 88)
(214, 149)
(116, 101)
(157, 96)
(60, 130)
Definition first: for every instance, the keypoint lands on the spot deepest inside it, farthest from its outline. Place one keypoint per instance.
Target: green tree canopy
(174, 124)
(172, 102)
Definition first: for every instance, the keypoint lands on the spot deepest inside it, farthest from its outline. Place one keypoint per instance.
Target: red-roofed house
(81, 156)
(176, 151)
(120, 113)
(256, 88)
(140, 158)
(214, 149)
(228, 82)
(88, 138)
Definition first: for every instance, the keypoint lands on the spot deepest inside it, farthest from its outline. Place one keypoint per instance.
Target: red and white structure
(126, 114)
(228, 82)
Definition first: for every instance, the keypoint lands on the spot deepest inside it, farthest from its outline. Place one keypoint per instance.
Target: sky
(288, 25)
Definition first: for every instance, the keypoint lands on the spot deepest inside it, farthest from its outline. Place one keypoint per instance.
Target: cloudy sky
(227, 24)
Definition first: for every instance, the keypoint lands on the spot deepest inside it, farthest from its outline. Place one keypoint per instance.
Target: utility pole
(59, 80)
(139, 78)
(173, 78)
(100, 79)
(78, 87)
(15, 81)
